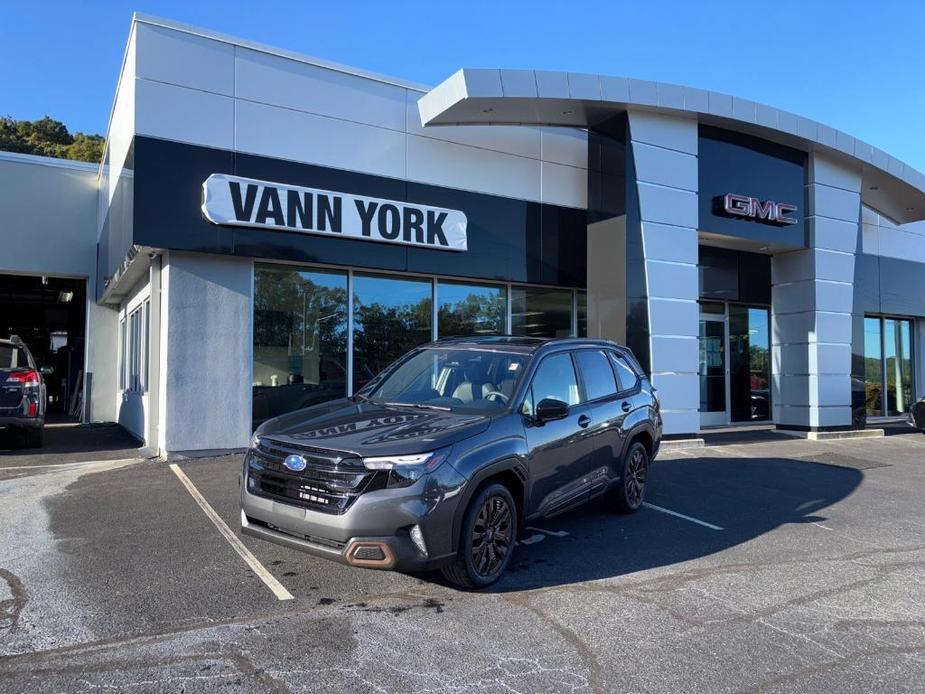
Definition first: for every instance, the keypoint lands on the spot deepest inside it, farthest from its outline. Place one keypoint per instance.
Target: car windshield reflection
(465, 380)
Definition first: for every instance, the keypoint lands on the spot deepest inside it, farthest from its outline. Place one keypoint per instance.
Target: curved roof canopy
(578, 100)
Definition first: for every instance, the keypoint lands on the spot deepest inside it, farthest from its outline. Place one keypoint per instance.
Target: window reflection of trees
(477, 314)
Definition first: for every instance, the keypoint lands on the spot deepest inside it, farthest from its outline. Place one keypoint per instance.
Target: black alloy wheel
(631, 491)
(491, 536)
(487, 542)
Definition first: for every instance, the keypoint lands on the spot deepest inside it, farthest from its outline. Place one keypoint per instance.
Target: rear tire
(630, 492)
(35, 438)
(486, 541)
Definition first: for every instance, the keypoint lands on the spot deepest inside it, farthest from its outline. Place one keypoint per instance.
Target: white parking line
(680, 515)
(279, 590)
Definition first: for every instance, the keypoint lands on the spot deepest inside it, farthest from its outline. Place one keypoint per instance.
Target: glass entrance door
(713, 365)
(750, 364)
(735, 364)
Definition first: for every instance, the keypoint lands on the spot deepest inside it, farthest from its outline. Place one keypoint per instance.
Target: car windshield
(471, 380)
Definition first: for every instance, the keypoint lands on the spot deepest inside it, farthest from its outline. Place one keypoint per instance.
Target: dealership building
(269, 230)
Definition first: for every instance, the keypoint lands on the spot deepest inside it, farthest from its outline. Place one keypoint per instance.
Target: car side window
(596, 374)
(626, 374)
(554, 378)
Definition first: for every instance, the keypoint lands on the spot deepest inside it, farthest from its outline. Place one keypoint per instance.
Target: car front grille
(330, 482)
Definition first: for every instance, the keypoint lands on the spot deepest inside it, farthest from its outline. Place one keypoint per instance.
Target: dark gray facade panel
(728, 275)
(611, 194)
(508, 239)
(735, 163)
(889, 285)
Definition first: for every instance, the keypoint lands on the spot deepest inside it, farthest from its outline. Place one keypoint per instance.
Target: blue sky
(857, 66)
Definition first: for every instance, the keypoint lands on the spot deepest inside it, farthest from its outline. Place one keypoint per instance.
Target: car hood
(369, 429)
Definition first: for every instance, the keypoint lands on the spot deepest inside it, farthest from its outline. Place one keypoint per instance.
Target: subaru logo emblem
(296, 463)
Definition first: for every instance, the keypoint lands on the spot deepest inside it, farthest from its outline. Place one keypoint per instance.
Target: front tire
(486, 541)
(630, 492)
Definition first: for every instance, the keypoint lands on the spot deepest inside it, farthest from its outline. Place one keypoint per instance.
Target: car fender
(642, 427)
(504, 455)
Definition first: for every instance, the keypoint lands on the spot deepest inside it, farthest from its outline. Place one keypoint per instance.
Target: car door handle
(626, 407)
(583, 421)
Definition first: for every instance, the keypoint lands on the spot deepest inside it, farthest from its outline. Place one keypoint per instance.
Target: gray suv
(439, 460)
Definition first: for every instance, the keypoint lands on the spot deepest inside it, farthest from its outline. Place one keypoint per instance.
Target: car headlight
(255, 440)
(405, 470)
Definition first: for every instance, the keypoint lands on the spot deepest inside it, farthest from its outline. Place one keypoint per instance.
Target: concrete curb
(680, 444)
(833, 435)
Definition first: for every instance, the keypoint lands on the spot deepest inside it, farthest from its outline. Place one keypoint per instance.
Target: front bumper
(374, 532)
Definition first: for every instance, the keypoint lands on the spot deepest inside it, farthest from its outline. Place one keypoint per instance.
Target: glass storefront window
(897, 362)
(391, 315)
(888, 365)
(300, 339)
(470, 309)
(873, 367)
(541, 312)
(302, 336)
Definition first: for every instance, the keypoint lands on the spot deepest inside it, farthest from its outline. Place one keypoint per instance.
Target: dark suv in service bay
(438, 460)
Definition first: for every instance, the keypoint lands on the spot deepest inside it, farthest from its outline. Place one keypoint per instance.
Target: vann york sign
(236, 201)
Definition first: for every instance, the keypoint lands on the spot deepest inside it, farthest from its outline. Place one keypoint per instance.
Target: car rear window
(12, 357)
(629, 379)
(596, 374)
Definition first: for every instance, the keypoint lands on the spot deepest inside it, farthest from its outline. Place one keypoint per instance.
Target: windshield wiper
(419, 405)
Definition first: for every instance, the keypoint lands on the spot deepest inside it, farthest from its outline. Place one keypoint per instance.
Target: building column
(812, 299)
(663, 157)
(206, 352)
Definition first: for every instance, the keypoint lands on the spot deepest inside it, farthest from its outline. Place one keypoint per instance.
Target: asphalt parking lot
(769, 566)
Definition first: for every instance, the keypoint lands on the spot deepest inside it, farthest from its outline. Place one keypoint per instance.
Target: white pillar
(206, 352)
(664, 150)
(812, 299)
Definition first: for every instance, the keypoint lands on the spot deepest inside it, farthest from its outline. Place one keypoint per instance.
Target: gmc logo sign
(768, 212)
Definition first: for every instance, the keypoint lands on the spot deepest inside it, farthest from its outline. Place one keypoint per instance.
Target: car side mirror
(47, 370)
(549, 409)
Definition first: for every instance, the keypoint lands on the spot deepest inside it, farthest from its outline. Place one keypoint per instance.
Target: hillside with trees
(48, 138)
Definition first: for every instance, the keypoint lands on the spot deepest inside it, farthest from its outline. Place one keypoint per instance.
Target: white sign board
(246, 202)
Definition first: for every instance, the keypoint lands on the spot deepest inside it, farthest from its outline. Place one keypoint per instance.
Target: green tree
(86, 147)
(48, 137)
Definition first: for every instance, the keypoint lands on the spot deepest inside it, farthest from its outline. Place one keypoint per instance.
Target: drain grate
(839, 460)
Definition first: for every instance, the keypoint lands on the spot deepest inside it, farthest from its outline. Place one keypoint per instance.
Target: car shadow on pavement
(70, 443)
(745, 497)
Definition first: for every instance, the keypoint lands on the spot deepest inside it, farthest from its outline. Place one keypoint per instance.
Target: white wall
(48, 212)
(206, 91)
(206, 352)
(48, 209)
(121, 126)
(665, 154)
(812, 297)
(883, 237)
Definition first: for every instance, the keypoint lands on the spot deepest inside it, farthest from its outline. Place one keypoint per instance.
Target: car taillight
(32, 410)
(27, 378)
